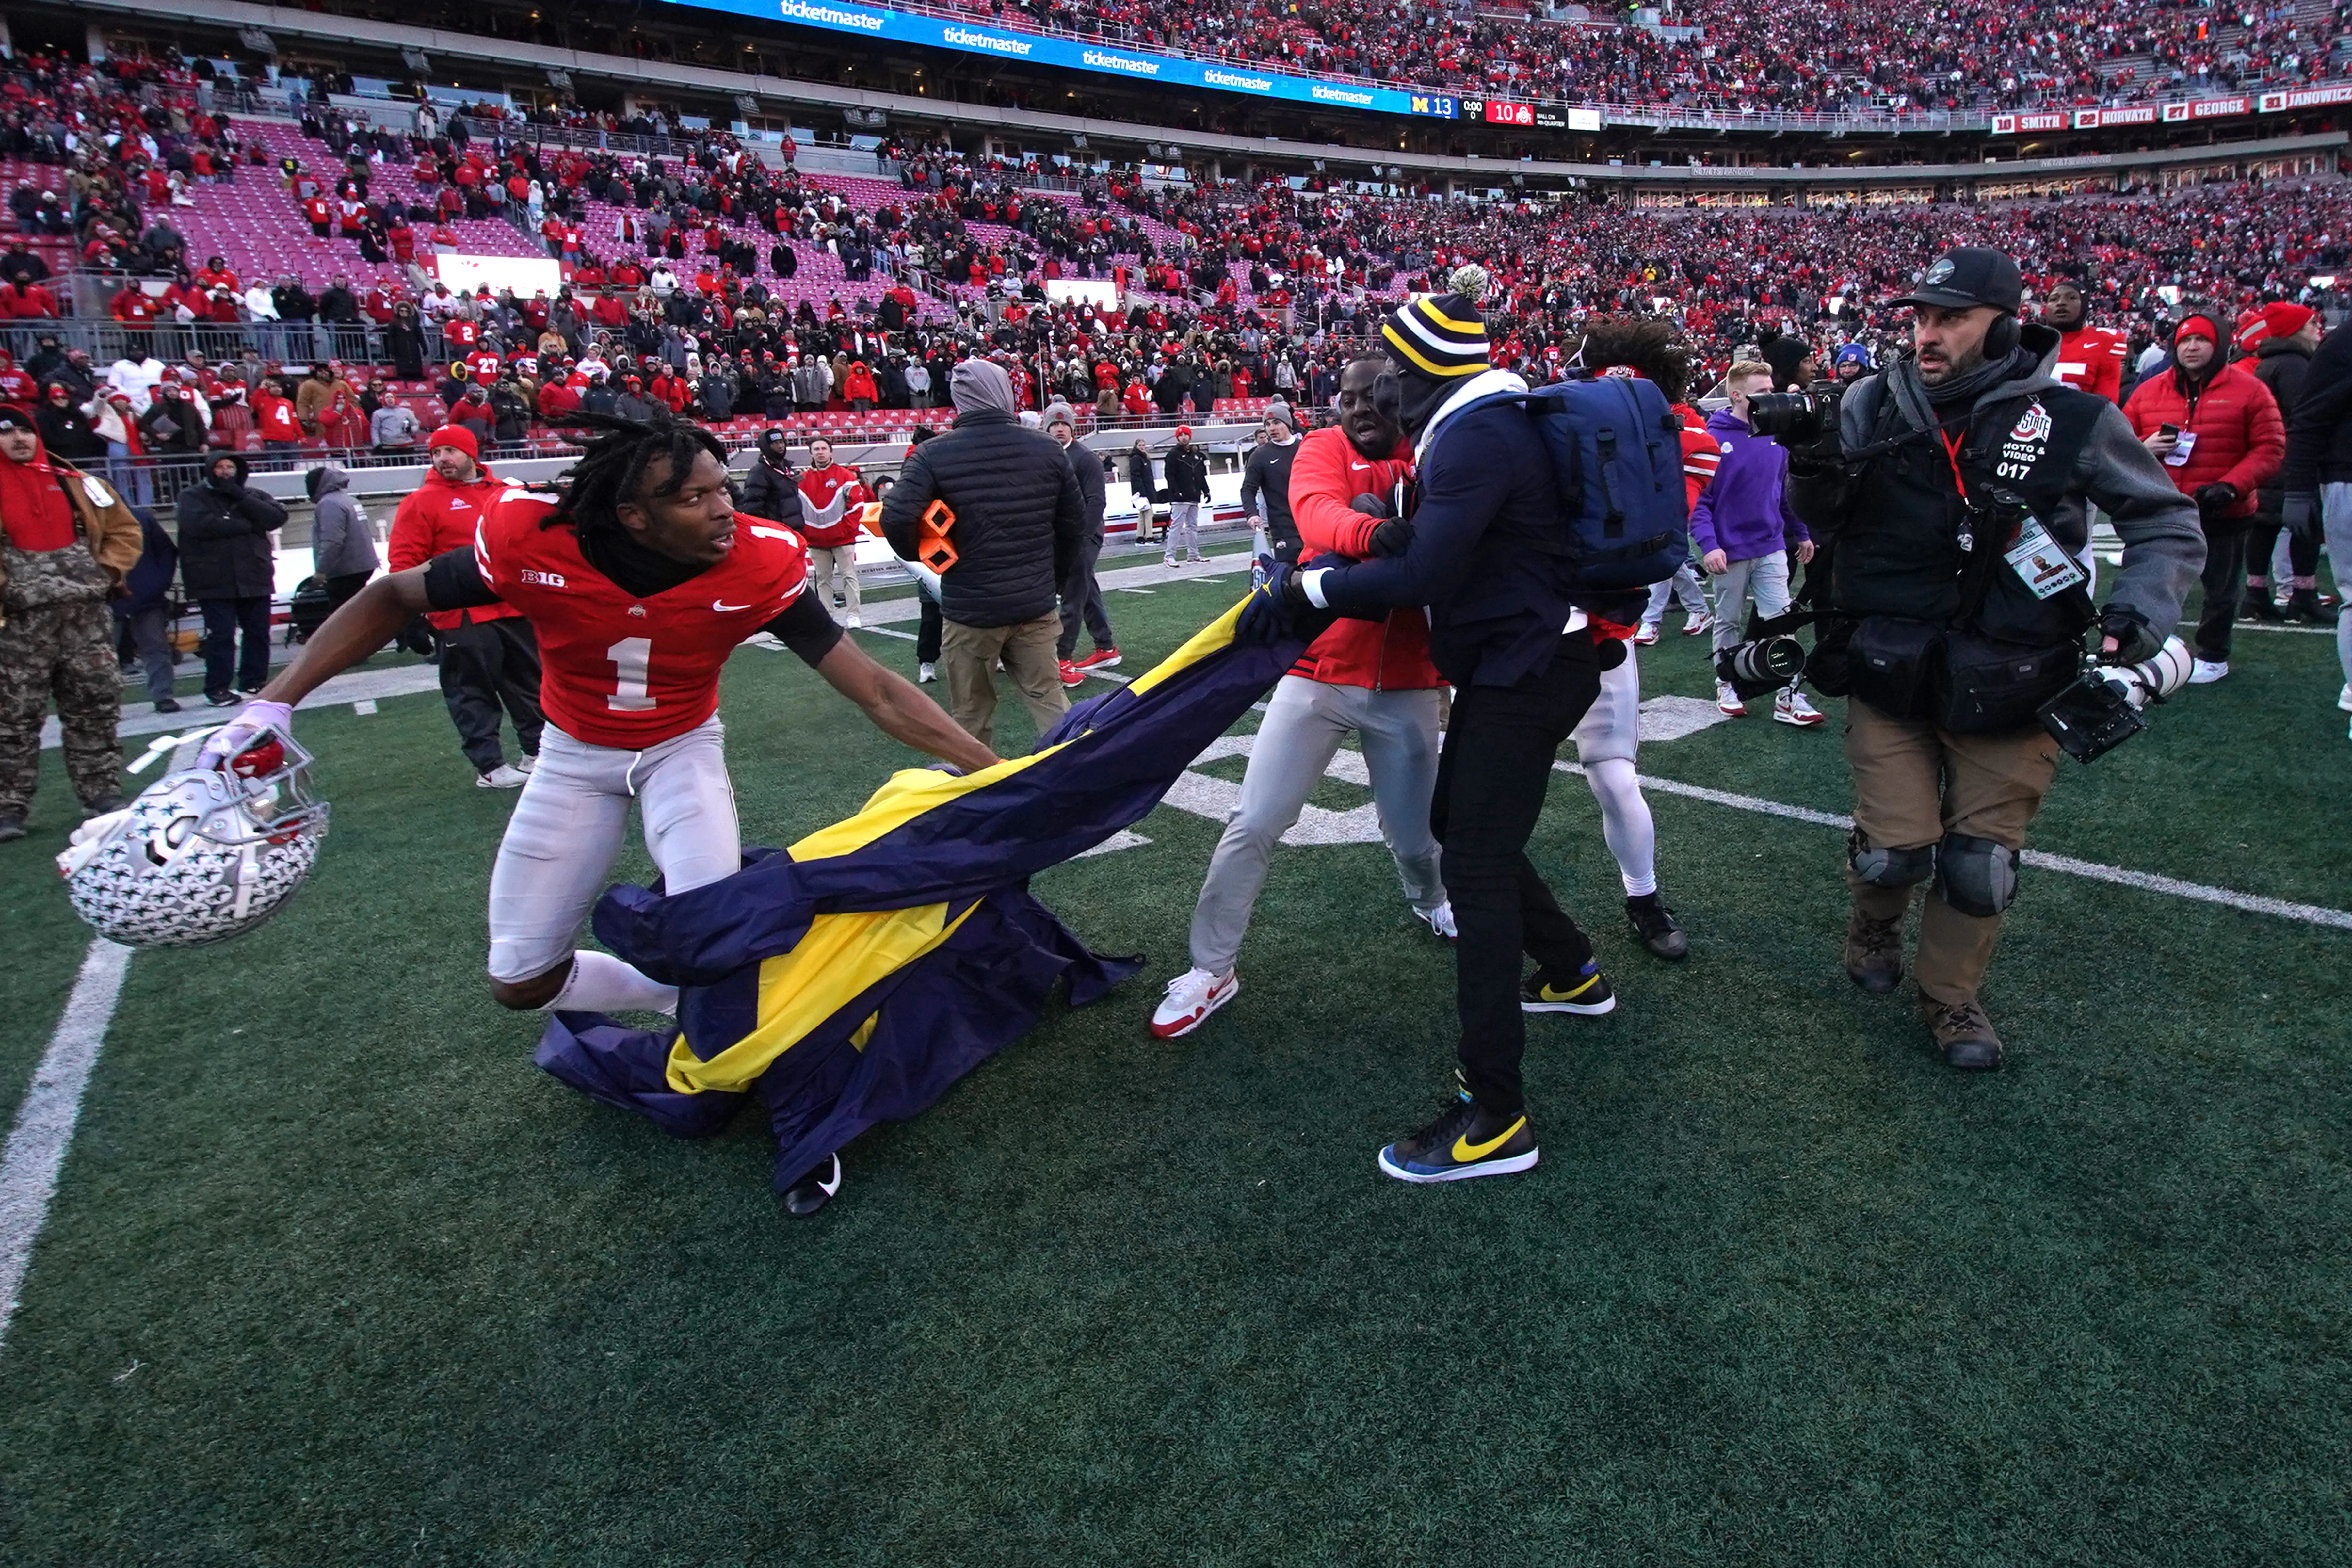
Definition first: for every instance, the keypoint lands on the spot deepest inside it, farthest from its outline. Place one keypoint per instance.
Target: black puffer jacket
(1093, 498)
(225, 550)
(2279, 364)
(1018, 516)
(1186, 474)
(771, 491)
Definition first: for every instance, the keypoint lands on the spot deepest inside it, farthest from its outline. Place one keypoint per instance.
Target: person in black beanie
(1506, 631)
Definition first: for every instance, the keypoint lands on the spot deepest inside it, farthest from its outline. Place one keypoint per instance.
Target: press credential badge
(2040, 563)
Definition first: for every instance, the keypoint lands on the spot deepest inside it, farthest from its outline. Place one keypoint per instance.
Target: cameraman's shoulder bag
(1617, 458)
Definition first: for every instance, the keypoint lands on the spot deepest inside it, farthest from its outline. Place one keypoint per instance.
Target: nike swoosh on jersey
(722, 606)
(1464, 1151)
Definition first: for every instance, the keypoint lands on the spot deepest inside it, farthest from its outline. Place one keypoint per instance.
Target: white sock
(602, 984)
(1626, 822)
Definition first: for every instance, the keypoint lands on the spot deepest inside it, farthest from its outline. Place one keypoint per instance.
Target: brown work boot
(1963, 1034)
(1874, 951)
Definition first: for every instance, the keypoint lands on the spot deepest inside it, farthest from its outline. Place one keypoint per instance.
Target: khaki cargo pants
(968, 655)
(1914, 783)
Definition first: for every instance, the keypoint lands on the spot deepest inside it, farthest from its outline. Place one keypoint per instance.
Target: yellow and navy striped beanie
(1437, 335)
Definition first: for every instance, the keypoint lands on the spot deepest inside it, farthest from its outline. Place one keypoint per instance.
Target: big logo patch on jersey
(2027, 439)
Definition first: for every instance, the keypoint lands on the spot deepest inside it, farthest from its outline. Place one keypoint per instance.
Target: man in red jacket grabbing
(2217, 430)
(489, 655)
(1372, 677)
(829, 496)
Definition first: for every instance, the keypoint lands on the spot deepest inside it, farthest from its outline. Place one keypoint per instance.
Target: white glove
(240, 731)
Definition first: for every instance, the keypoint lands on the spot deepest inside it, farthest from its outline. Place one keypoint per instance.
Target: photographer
(1960, 606)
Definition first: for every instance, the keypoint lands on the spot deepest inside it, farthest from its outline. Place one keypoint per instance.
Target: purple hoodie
(1744, 513)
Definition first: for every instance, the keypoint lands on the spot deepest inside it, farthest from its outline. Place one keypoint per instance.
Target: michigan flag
(853, 977)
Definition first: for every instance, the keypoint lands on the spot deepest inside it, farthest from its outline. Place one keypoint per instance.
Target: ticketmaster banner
(909, 27)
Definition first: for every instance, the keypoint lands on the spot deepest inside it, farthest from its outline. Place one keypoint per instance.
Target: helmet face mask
(204, 854)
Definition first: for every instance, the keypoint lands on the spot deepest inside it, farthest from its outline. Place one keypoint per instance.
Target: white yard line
(2148, 881)
(45, 1122)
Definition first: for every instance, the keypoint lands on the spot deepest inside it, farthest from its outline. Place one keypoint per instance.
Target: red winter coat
(2241, 440)
(1389, 655)
(438, 516)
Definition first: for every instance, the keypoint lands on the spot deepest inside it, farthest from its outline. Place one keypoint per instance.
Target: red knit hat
(2197, 326)
(1183, 429)
(455, 435)
(2285, 319)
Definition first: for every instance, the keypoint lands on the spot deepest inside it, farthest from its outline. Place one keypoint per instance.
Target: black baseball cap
(17, 419)
(1970, 275)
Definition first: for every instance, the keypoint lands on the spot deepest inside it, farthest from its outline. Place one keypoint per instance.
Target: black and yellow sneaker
(1463, 1142)
(1586, 992)
(815, 1190)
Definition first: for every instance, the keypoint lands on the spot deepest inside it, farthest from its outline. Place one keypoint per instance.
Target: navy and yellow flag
(852, 978)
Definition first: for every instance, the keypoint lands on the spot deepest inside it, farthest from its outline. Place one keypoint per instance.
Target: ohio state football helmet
(205, 853)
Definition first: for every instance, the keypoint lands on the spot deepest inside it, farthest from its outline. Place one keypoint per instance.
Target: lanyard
(1952, 456)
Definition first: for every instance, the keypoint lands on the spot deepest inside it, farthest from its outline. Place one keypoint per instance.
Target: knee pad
(1976, 876)
(1889, 868)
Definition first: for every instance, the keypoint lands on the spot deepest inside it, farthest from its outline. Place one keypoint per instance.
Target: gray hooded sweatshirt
(343, 541)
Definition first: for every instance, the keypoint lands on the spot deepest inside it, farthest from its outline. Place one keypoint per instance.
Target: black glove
(1373, 506)
(1393, 537)
(2134, 641)
(2300, 514)
(2215, 498)
(1274, 605)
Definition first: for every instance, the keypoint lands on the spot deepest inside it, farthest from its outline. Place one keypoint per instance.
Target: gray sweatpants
(1183, 531)
(1765, 579)
(2336, 523)
(1305, 723)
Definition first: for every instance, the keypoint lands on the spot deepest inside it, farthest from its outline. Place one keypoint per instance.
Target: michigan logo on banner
(853, 977)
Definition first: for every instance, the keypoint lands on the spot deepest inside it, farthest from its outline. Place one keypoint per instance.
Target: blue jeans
(130, 481)
(224, 620)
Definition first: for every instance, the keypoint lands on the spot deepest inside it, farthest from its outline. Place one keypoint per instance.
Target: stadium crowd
(1819, 56)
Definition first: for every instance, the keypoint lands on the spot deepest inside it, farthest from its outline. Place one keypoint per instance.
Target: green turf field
(335, 1275)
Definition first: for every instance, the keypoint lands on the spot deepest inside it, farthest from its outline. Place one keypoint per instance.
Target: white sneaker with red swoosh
(1192, 997)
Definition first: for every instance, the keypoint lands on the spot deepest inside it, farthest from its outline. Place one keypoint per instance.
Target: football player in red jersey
(640, 579)
(2091, 358)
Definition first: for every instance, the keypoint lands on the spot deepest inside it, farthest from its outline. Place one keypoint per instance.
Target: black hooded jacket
(770, 488)
(225, 550)
(1019, 517)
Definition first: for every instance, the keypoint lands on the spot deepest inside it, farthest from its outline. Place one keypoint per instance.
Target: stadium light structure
(559, 80)
(415, 61)
(260, 42)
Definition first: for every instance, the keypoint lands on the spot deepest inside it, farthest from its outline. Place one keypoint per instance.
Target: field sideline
(333, 1275)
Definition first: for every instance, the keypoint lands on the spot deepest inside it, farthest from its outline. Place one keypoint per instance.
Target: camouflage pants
(66, 651)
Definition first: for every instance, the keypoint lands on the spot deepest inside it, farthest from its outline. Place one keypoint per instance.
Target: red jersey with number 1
(615, 669)
(2092, 358)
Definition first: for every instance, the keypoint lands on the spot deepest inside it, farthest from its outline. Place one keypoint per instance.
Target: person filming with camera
(1959, 601)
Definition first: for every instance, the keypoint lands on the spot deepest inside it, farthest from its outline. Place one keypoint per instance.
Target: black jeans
(483, 666)
(225, 620)
(1491, 782)
(342, 586)
(1082, 599)
(2262, 544)
(927, 632)
(2224, 581)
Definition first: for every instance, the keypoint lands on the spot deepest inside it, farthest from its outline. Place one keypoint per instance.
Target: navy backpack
(1616, 449)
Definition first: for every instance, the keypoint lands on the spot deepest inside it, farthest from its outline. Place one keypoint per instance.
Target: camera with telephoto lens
(1766, 664)
(1795, 417)
(2102, 710)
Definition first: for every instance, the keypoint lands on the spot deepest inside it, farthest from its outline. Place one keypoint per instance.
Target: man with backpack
(1510, 626)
